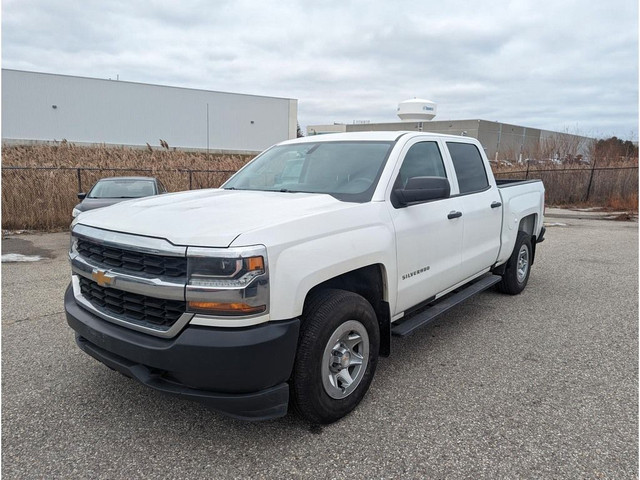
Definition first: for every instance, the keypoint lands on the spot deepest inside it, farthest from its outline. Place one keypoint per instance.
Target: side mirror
(423, 189)
(82, 196)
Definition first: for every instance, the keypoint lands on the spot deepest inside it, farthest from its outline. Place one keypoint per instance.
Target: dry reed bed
(43, 199)
(609, 185)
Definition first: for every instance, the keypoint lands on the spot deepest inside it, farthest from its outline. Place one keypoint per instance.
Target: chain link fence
(599, 186)
(41, 198)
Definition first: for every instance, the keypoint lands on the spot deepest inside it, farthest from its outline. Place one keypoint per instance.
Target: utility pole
(207, 129)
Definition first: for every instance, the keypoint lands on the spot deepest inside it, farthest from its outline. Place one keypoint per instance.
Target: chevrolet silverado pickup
(284, 286)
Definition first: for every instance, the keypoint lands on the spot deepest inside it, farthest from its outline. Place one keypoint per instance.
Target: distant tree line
(615, 149)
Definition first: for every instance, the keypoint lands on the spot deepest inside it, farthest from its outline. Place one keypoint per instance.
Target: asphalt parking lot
(541, 385)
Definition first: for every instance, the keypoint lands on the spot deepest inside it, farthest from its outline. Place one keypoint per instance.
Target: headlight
(73, 245)
(75, 212)
(221, 272)
(227, 282)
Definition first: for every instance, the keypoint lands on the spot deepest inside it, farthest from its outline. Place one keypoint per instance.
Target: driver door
(428, 242)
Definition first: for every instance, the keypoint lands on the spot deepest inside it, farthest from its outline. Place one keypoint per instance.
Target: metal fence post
(526, 176)
(79, 181)
(190, 178)
(586, 198)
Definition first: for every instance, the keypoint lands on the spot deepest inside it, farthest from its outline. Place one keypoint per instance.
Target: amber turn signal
(218, 308)
(255, 263)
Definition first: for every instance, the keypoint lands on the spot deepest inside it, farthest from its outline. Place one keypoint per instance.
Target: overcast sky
(557, 65)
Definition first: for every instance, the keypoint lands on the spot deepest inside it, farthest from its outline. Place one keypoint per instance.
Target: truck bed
(520, 199)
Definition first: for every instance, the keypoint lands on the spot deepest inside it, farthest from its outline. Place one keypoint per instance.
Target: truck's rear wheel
(516, 275)
(337, 355)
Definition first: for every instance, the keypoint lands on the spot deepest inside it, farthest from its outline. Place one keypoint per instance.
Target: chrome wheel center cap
(345, 360)
(341, 359)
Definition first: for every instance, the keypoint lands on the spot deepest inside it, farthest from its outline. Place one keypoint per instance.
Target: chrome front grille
(132, 261)
(133, 281)
(138, 309)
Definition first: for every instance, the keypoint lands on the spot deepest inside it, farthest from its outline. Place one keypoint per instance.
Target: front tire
(337, 355)
(516, 275)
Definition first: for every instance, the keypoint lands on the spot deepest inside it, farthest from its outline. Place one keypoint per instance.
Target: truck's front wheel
(337, 355)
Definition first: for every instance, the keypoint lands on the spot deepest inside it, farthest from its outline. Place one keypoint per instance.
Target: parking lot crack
(35, 318)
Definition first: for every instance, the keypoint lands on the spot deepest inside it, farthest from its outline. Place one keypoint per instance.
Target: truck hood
(212, 217)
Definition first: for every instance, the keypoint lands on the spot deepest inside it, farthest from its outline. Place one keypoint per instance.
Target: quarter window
(422, 160)
(469, 167)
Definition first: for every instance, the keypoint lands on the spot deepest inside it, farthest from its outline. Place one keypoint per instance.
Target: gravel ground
(541, 385)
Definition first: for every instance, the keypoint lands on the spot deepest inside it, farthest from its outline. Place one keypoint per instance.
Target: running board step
(430, 314)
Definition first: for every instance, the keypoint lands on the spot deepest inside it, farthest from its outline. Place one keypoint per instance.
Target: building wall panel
(47, 107)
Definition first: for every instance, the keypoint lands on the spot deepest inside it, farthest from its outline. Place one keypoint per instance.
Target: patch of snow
(17, 257)
(556, 224)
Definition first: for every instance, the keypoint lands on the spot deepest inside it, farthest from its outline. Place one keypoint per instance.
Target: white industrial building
(43, 107)
(501, 141)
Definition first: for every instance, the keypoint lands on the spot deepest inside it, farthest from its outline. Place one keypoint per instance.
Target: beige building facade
(501, 141)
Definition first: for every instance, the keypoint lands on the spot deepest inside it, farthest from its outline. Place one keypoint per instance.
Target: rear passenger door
(482, 222)
(428, 242)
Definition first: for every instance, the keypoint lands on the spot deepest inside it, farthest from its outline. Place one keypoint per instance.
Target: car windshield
(348, 171)
(125, 188)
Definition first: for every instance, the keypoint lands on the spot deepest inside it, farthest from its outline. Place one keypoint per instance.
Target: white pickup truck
(286, 284)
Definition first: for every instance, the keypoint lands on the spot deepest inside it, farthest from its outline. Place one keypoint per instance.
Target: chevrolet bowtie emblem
(102, 278)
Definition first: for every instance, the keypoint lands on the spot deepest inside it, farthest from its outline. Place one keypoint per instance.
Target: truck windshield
(348, 171)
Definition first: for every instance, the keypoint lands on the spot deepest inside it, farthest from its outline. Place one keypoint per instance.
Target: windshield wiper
(286, 190)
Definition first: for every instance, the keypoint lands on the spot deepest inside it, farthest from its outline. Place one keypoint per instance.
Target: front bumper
(241, 372)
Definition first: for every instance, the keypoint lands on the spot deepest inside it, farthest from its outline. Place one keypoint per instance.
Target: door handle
(454, 214)
(496, 204)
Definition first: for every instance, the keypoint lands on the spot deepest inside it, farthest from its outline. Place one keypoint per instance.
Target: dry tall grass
(69, 155)
(43, 199)
(609, 185)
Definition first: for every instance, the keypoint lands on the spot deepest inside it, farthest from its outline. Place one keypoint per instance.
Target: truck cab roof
(384, 136)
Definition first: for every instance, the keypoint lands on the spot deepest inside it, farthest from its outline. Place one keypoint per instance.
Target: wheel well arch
(369, 282)
(528, 224)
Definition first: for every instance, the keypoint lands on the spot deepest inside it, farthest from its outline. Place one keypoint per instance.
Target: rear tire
(516, 275)
(337, 356)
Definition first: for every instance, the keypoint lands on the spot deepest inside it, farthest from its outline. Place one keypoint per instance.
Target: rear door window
(469, 167)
